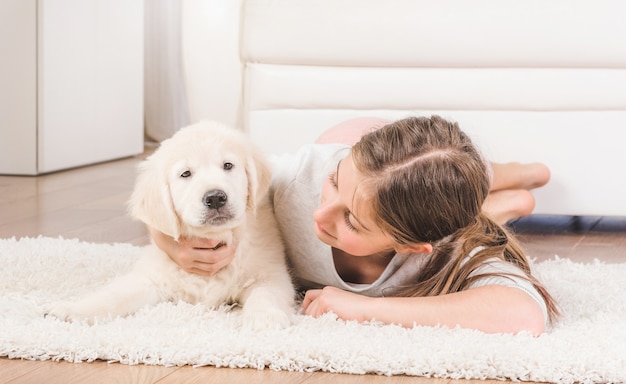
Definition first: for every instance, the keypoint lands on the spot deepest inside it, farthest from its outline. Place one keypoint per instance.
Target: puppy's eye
(228, 166)
(185, 174)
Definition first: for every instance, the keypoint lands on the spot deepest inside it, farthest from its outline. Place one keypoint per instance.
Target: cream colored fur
(169, 195)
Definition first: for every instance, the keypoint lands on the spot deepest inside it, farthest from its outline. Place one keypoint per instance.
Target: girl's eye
(228, 166)
(331, 178)
(185, 174)
(346, 217)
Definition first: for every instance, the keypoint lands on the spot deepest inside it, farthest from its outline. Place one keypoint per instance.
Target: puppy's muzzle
(215, 199)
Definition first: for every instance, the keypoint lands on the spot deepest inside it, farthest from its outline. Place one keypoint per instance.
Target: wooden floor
(89, 204)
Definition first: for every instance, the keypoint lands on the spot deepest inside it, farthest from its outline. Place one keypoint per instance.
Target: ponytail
(448, 269)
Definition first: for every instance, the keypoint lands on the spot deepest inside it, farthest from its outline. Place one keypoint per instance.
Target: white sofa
(530, 80)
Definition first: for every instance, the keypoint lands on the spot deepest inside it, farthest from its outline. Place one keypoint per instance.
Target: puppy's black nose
(215, 199)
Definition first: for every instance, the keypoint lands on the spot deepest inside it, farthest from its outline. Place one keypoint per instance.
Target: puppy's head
(203, 179)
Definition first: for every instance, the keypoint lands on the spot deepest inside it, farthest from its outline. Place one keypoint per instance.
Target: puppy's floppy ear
(259, 177)
(151, 200)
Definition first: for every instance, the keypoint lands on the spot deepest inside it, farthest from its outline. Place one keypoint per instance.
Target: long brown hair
(426, 182)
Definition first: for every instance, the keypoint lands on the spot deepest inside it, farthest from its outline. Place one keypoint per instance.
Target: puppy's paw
(67, 311)
(265, 318)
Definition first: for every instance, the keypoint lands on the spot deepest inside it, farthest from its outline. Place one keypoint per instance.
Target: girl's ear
(414, 248)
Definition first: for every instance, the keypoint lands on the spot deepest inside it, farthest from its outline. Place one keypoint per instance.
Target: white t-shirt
(296, 187)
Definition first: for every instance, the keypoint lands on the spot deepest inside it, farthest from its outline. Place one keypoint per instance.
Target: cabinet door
(18, 87)
(90, 91)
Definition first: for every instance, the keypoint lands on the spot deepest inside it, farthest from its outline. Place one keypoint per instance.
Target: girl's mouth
(321, 229)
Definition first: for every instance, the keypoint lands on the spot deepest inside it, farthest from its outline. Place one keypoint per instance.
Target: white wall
(18, 86)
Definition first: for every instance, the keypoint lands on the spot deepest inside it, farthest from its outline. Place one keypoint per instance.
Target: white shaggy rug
(587, 345)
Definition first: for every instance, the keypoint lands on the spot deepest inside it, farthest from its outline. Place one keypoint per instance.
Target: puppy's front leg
(267, 305)
(122, 296)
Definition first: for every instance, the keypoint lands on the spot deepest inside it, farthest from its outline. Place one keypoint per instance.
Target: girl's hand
(346, 305)
(194, 255)
(202, 256)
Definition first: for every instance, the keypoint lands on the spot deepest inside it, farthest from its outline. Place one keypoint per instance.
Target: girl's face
(338, 220)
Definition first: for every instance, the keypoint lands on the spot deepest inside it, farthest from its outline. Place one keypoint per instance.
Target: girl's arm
(491, 309)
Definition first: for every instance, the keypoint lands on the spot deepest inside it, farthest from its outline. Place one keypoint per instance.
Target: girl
(398, 234)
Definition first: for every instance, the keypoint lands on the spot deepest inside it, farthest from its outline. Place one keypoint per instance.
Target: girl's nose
(320, 213)
(324, 212)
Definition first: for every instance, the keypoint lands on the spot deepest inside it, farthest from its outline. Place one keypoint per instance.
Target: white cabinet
(71, 83)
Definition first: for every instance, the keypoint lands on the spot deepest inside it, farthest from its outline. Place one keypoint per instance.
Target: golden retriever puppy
(208, 181)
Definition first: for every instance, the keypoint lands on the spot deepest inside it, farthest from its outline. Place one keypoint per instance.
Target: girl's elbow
(522, 313)
(519, 322)
(536, 325)
(530, 318)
